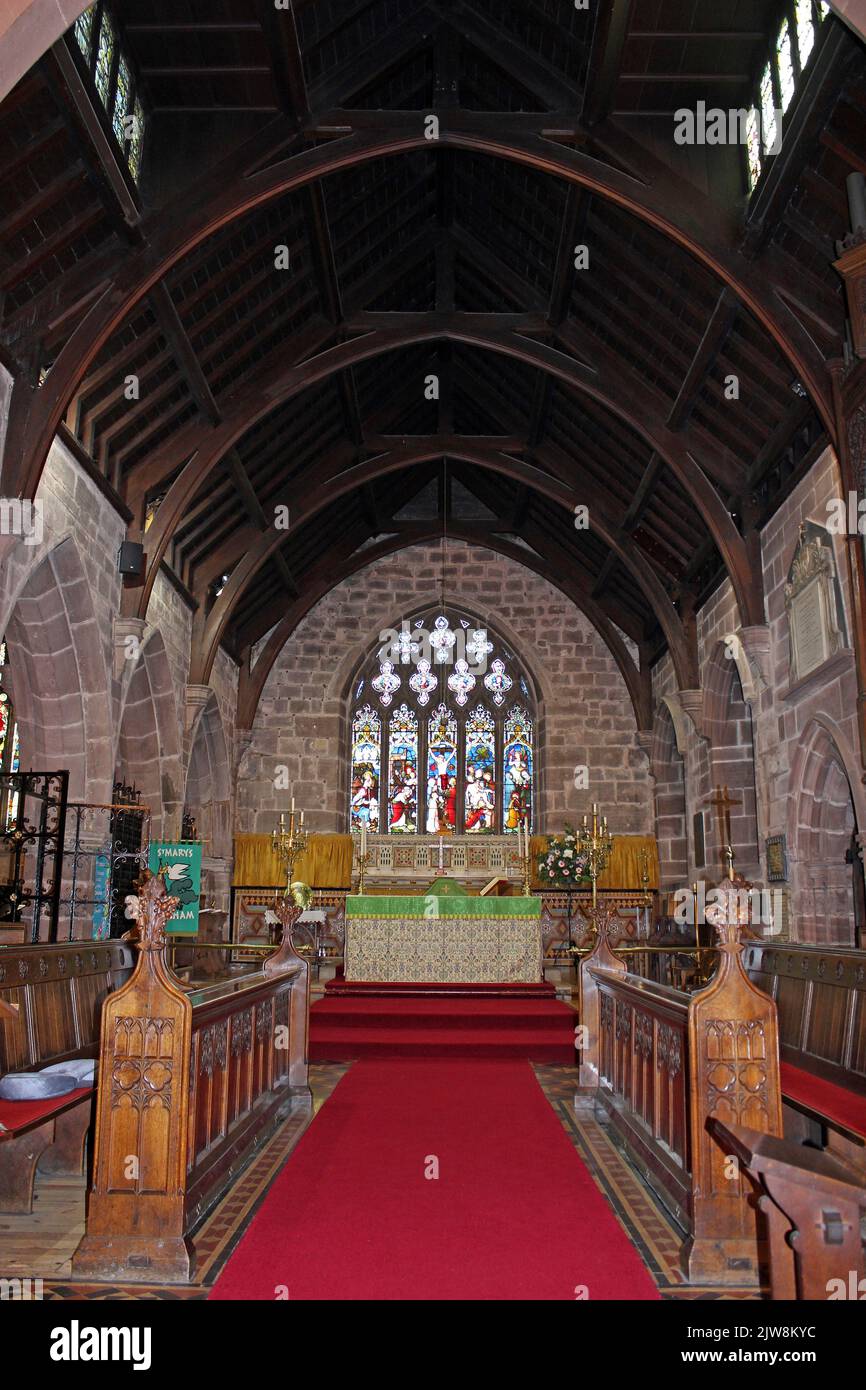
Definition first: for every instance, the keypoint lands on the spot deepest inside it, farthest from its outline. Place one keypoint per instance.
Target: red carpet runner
(456, 1025)
(513, 1214)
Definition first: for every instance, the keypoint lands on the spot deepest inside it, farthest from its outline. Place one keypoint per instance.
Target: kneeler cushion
(16, 1115)
(838, 1104)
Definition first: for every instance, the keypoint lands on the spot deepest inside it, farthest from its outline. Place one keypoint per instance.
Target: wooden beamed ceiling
(608, 385)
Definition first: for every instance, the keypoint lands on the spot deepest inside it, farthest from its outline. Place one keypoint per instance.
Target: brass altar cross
(723, 801)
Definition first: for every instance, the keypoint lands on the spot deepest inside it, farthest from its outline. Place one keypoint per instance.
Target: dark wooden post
(812, 1205)
(140, 1150)
(734, 1077)
(607, 922)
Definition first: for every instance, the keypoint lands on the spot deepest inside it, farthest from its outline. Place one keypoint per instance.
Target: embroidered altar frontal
(443, 940)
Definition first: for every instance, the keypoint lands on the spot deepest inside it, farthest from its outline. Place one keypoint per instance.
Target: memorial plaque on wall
(813, 602)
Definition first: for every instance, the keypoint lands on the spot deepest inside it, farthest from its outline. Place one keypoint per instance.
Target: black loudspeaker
(130, 559)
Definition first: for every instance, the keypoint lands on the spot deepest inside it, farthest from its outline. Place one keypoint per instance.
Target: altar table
(443, 940)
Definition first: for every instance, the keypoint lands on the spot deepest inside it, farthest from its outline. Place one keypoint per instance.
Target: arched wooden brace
(289, 381)
(252, 681)
(209, 634)
(240, 184)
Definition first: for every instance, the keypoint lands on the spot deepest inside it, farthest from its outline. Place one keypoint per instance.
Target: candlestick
(596, 844)
(289, 845)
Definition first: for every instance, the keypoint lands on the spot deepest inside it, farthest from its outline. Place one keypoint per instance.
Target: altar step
(343, 1029)
(364, 989)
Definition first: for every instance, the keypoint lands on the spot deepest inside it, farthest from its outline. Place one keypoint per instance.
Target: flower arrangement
(563, 864)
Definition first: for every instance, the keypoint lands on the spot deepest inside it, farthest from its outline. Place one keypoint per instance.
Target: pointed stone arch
(207, 792)
(666, 761)
(826, 813)
(148, 744)
(729, 729)
(58, 670)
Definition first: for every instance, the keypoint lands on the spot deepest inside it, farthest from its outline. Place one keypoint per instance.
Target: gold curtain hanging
(326, 864)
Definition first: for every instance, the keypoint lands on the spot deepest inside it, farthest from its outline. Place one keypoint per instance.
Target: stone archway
(58, 675)
(148, 747)
(826, 813)
(208, 781)
(728, 727)
(670, 801)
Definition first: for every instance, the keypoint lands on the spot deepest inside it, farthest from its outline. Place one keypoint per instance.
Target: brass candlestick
(289, 843)
(363, 858)
(596, 843)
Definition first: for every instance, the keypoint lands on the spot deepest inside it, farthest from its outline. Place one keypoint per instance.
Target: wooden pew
(50, 1002)
(821, 998)
(813, 1207)
(189, 1085)
(666, 1061)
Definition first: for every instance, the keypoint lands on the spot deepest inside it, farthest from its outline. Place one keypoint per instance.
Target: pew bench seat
(825, 1102)
(17, 1116)
(52, 998)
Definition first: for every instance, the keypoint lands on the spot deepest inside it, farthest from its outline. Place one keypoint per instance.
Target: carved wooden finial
(152, 909)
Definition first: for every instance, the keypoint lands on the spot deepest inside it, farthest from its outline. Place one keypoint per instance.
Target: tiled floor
(41, 1245)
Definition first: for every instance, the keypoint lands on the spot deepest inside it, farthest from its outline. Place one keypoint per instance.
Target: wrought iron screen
(31, 858)
(105, 851)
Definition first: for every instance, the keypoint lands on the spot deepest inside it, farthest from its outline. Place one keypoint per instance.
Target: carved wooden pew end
(189, 1087)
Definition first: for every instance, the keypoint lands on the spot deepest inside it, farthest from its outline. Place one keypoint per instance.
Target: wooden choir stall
(189, 1085)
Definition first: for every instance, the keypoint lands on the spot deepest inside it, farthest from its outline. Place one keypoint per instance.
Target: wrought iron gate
(32, 831)
(105, 851)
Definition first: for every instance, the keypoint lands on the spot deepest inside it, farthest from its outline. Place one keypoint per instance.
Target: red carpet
(458, 1025)
(514, 1213)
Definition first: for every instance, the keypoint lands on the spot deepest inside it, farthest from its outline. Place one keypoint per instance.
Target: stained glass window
(768, 111)
(480, 772)
(441, 797)
(753, 147)
(434, 738)
(805, 30)
(786, 65)
(402, 771)
(136, 143)
(123, 91)
(84, 31)
(517, 770)
(366, 769)
(105, 59)
(113, 79)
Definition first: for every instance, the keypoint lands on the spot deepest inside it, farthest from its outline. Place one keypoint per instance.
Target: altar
(448, 939)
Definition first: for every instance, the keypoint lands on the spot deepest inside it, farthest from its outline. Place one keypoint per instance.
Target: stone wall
(586, 716)
(788, 755)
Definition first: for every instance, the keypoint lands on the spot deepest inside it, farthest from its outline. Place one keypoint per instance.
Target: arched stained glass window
(366, 768)
(441, 771)
(442, 724)
(403, 771)
(517, 769)
(480, 772)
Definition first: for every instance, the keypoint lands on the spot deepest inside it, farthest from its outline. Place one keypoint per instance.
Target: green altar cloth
(440, 937)
(434, 905)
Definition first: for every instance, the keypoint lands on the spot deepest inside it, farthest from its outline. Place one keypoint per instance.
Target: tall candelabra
(289, 842)
(596, 843)
(364, 856)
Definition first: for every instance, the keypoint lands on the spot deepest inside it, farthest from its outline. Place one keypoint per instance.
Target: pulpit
(443, 936)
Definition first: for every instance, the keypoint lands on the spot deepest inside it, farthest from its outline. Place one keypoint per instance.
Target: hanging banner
(182, 863)
(101, 910)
